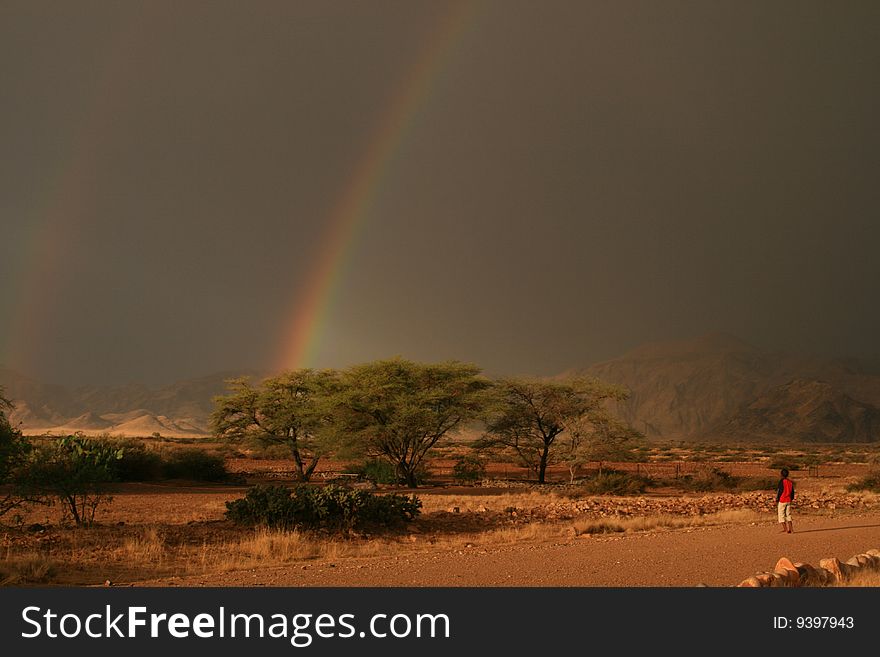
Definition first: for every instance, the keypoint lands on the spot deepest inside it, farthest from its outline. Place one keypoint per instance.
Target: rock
(784, 564)
(764, 579)
(751, 582)
(778, 581)
(859, 561)
(833, 566)
(874, 562)
(788, 577)
(824, 576)
(807, 575)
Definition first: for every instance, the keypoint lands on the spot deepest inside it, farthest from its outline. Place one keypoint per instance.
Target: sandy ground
(716, 556)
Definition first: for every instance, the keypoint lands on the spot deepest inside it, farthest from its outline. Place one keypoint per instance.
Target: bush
(195, 464)
(871, 482)
(74, 471)
(14, 451)
(376, 470)
(380, 471)
(469, 468)
(330, 507)
(612, 482)
(138, 463)
(778, 464)
(757, 483)
(709, 479)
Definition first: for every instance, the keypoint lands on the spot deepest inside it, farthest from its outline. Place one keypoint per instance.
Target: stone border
(830, 571)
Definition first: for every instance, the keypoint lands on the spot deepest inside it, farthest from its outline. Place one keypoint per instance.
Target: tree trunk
(307, 475)
(542, 467)
(407, 474)
(299, 475)
(71, 503)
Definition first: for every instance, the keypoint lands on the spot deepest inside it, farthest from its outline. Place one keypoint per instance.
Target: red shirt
(787, 490)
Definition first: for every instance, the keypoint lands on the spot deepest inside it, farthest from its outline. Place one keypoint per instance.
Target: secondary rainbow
(314, 301)
(61, 210)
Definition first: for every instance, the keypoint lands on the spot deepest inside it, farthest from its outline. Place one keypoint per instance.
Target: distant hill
(809, 410)
(703, 388)
(715, 387)
(178, 410)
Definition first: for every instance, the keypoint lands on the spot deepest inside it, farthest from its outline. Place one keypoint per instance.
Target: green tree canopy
(75, 471)
(398, 410)
(289, 409)
(531, 414)
(596, 437)
(14, 449)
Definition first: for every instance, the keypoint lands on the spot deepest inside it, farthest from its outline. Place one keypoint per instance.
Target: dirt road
(716, 556)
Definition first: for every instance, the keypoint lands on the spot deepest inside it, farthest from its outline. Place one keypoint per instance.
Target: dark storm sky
(584, 177)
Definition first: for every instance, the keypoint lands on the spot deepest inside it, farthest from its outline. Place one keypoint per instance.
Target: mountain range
(714, 387)
(181, 409)
(717, 387)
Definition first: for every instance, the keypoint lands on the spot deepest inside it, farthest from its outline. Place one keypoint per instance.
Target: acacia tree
(397, 410)
(289, 409)
(531, 414)
(596, 437)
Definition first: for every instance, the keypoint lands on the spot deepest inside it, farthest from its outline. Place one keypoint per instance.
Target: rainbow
(315, 296)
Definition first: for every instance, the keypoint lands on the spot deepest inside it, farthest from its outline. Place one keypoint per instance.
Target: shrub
(138, 463)
(330, 507)
(14, 451)
(709, 479)
(612, 482)
(195, 464)
(74, 471)
(870, 482)
(378, 471)
(272, 506)
(381, 471)
(757, 483)
(779, 463)
(469, 468)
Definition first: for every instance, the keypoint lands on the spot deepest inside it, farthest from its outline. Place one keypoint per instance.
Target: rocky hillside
(810, 410)
(717, 386)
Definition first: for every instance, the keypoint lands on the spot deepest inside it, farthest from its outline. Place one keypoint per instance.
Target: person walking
(784, 499)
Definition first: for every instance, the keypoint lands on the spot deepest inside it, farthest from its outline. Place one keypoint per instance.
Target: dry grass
(148, 546)
(267, 548)
(25, 569)
(646, 523)
(865, 579)
(157, 551)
